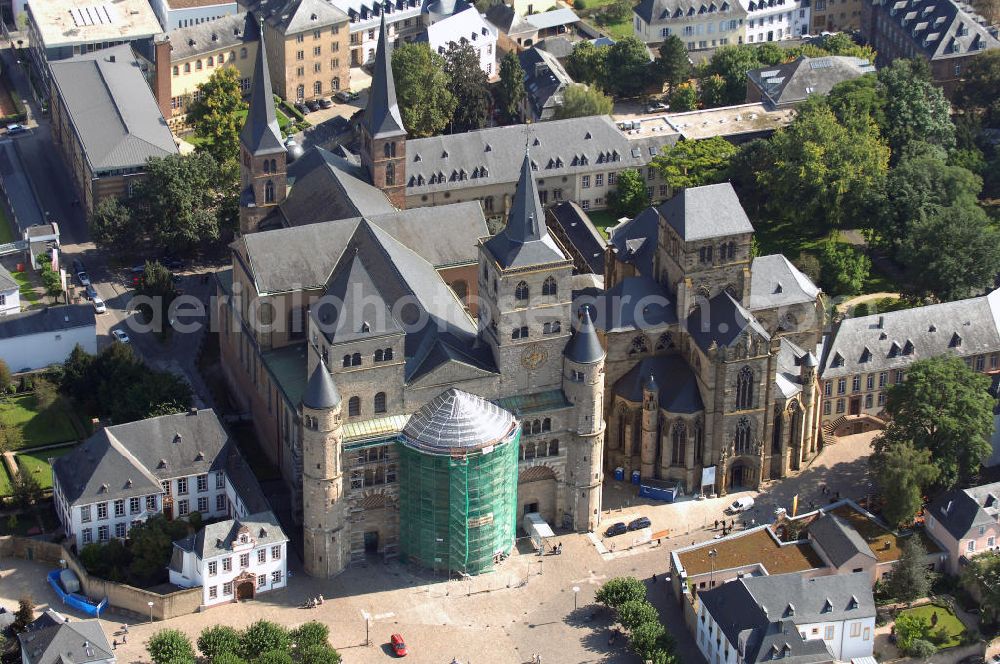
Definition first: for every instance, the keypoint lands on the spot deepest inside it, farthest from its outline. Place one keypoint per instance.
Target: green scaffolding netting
(458, 513)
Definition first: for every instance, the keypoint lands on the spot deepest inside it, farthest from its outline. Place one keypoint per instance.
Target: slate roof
(792, 82)
(47, 319)
(636, 240)
(678, 386)
(552, 18)
(381, 116)
(617, 308)
(525, 239)
(581, 233)
(508, 21)
(776, 282)
(294, 16)
(723, 323)
(456, 422)
(6, 280)
(790, 357)
(452, 162)
(763, 610)
(838, 540)
(464, 26)
(321, 392)
(79, 642)
(962, 510)
(896, 339)
(223, 32)
(260, 133)
(710, 211)
(112, 109)
(216, 539)
(320, 181)
(131, 459)
(652, 11)
(940, 29)
(584, 347)
(545, 80)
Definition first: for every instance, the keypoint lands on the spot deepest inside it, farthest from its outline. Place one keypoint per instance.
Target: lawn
(37, 463)
(5, 487)
(618, 30)
(283, 123)
(603, 219)
(53, 425)
(948, 625)
(27, 289)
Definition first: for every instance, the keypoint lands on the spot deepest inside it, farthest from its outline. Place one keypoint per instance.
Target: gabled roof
(710, 211)
(545, 80)
(838, 540)
(260, 133)
(940, 29)
(223, 32)
(464, 26)
(581, 234)
(323, 184)
(76, 642)
(723, 323)
(382, 117)
(552, 18)
(652, 11)
(294, 16)
(636, 240)
(525, 240)
(671, 375)
(112, 109)
(217, 539)
(507, 20)
(776, 282)
(790, 358)
(792, 82)
(362, 310)
(961, 511)
(47, 319)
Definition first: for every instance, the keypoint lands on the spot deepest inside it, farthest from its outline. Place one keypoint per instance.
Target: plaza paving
(527, 607)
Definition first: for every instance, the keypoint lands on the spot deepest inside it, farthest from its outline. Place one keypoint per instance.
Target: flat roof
(885, 544)
(71, 22)
(729, 121)
(756, 547)
(288, 366)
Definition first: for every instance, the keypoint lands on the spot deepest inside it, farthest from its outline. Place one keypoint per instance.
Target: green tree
(672, 63)
(619, 590)
(179, 200)
(229, 658)
(921, 649)
(683, 97)
(470, 87)
(170, 645)
(844, 268)
(312, 633)
(635, 612)
(840, 43)
(983, 573)
(732, 63)
(979, 91)
(6, 378)
(588, 63)
(11, 437)
(695, 163)
(580, 101)
(274, 657)
(318, 654)
(114, 227)
(915, 108)
(908, 628)
(25, 489)
(617, 11)
(261, 637)
(510, 91)
(810, 266)
(823, 174)
(627, 67)
(952, 254)
(218, 640)
(158, 285)
(45, 393)
(422, 89)
(770, 54)
(712, 91)
(216, 114)
(24, 615)
(943, 406)
(645, 638)
(858, 100)
(910, 579)
(902, 473)
(150, 546)
(629, 197)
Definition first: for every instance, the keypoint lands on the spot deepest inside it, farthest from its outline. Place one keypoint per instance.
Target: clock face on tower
(533, 357)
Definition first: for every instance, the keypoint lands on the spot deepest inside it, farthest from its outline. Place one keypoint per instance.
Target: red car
(398, 645)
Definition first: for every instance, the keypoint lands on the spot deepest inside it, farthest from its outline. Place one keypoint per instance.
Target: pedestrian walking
(125, 638)
(114, 644)
(716, 525)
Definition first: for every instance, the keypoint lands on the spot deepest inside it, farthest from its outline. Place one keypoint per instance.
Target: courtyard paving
(525, 608)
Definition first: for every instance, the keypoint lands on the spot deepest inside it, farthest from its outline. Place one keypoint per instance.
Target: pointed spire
(526, 221)
(382, 116)
(584, 347)
(260, 133)
(321, 392)
(650, 383)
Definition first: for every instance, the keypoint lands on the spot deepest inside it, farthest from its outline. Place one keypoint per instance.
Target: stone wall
(121, 596)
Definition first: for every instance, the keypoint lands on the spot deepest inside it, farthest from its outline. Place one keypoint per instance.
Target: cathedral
(349, 318)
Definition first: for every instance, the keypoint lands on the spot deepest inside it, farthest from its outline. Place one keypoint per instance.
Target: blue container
(619, 473)
(635, 477)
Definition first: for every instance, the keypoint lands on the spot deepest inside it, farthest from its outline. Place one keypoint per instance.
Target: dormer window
(838, 360)
(908, 348)
(853, 603)
(894, 350)
(956, 341)
(866, 355)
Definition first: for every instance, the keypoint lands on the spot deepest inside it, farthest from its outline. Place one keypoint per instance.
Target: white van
(740, 505)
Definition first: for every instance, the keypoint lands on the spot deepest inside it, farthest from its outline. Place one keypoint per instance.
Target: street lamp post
(711, 579)
(150, 605)
(576, 592)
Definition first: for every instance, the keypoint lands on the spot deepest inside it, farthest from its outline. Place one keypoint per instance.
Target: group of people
(314, 602)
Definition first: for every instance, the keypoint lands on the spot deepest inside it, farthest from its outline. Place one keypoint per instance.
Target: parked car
(301, 108)
(640, 523)
(99, 305)
(325, 103)
(398, 645)
(120, 336)
(84, 278)
(343, 96)
(657, 106)
(78, 265)
(616, 529)
(740, 505)
(312, 105)
(91, 293)
(15, 129)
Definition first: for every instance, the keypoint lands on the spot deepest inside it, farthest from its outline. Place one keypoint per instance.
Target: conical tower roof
(321, 392)
(260, 133)
(382, 116)
(584, 347)
(456, 422)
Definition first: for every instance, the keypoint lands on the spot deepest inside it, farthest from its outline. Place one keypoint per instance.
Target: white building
(774, 20)
(39, 338)
(699, 24)
(787, 616)
(175, 14)
(404, 22)
(232, 560)
(10, 293)
(466, 27)
(174, 464)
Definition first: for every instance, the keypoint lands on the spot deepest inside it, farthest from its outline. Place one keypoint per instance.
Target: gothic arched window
(387, 355)
(347, 360)
(638, 345)
(678, 441)
(699, 443)
(665, 341)
(622, 420)
(269, 192)
(356, 360)
(549, 287)
(354, 407)
(521, 291)
(741, 440)
(547, 424)
(390, 174)
(380, 402)
(744, 389)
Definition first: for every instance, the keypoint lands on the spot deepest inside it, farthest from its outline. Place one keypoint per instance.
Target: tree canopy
(672, 63)
(844, 268)
(693, 163)
(915, 109)
(902, 473)
(629, 197)
(580, 101)
(983, 572)
(627, 67)
(731, 63)
(979, 90)
(423, 90)
(469, 85)
(683, 97)
(910, 579)
(588, 63)
(216, 114)
(170, 646)
(510, 91)
(114, 227)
